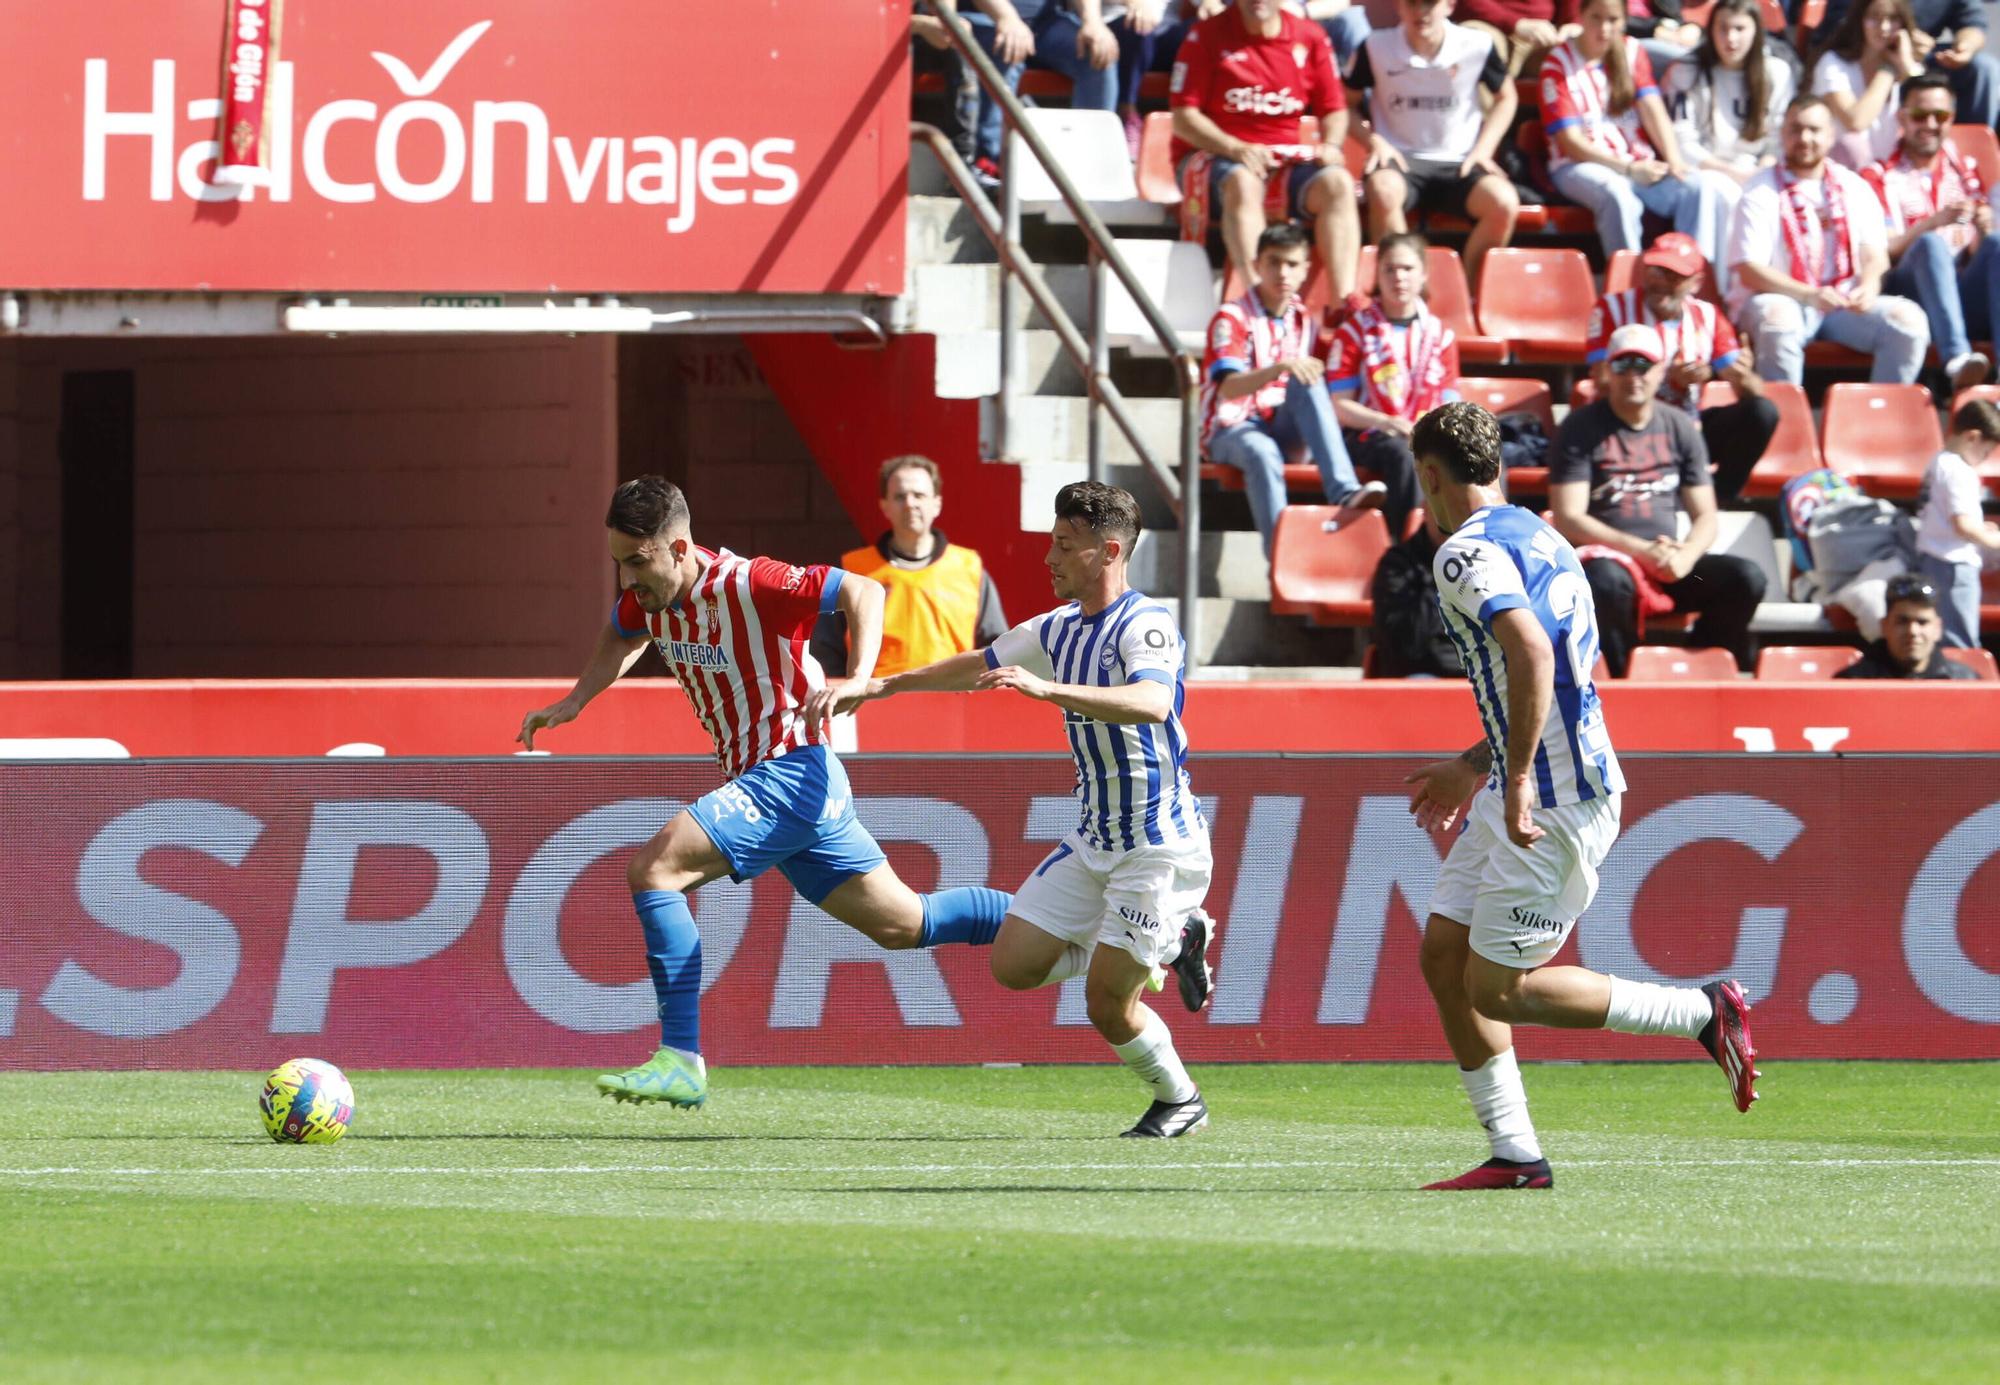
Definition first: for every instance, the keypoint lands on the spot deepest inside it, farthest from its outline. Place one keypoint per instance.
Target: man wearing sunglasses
(1622, 470)
(1941, 247)
(1912, 638)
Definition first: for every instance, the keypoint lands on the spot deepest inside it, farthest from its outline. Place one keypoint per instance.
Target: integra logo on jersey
(700, 655)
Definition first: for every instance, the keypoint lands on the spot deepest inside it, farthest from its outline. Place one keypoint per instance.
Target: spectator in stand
(1951, 527)
(1808, 250)
(1387, 365)
(1728, 98)
(1241, 83)
(1857, 71)
(1428, 144)
(1066, 36)
(1621, 472)
(1525, 29)
(956, 112)
(1941, 245)
(1910, 647)
(1611, 145)
(1700, 346)
(1149, 37)
(1262, 395)
(1345, 21)
(940, 599)
(1657, 24)
(1407, 631)
(1974, 73)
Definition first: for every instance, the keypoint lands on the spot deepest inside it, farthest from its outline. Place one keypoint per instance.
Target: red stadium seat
(1539, 301)
(1803, 663)
(1301, 478)
(1979, 144)
(1980, 661)
(1449, 297)
(1325, 571)
(1510, 394)
(1156, 164)
(1792, 451)
(1881, 436)
(1659, 663)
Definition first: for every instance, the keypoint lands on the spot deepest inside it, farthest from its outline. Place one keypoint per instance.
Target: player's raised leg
(679, 858)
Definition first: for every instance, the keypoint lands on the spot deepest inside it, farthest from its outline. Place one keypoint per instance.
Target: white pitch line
(505, 1171)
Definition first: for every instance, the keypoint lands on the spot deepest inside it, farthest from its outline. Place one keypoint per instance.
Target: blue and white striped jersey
(1131, 781)
(1505, 558)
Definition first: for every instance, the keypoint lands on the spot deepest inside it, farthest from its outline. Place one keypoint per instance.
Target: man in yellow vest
(941, 601)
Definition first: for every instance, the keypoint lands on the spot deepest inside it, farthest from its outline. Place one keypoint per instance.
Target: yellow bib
(931, 611)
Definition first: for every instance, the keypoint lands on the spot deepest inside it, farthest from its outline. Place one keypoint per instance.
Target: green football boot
(666, 1076)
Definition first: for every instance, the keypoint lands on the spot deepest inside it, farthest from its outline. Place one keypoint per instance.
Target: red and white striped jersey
(1909, 193)
(1575, 92)
(1700, 333)
(1242, 337)
(739, 644)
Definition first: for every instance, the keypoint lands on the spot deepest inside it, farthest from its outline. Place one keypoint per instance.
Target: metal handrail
(1002, 227)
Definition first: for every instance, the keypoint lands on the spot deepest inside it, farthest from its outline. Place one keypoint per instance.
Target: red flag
(249, 54)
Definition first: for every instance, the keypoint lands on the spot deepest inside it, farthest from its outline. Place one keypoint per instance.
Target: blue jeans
(1347, 30)
(1892, 332)
(1694, 204)
(1258, 448)
(1957, 598)
(1962, 304)
(1055, 29)
(1977, 88)
(1139, 54)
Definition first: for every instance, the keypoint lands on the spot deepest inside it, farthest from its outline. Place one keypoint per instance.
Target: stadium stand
(1980, 661)
(1881, 437)
(1655, 663)
(1538, 301)
(1322, 560)
(1803, 663)
(1450, 297)
(1178, 278)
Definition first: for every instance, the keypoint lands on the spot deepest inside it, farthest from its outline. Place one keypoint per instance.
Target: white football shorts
(1521, 903)
(1136, 900)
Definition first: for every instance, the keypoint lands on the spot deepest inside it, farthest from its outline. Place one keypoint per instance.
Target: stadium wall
(474, 912)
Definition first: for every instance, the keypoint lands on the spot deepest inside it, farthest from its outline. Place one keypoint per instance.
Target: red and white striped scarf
(1397, 368)
(1807, 250)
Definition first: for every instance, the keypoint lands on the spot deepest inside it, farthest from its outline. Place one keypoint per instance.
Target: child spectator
(1728, 98)
(1951, 528)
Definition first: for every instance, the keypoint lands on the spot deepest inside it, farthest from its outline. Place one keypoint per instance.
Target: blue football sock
(969, 915)
(673, 955)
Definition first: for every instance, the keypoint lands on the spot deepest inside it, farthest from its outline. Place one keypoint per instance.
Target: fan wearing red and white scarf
(1944, 197)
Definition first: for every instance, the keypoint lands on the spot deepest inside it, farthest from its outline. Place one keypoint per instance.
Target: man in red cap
(1622, 470)
(1700, 346)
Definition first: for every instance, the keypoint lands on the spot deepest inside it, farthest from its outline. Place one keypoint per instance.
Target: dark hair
(1619, 91)
(1912, 587)
(1846, 41)
(1981, 416)
(1929, 81)
(908, 462)
(1405, 240)
(646, 507)
(1464, 438)
(1283, 235)
(1106, 511)
(1756, 77)
(1806, 101)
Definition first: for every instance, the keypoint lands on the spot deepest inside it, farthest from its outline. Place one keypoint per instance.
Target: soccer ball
(306, 1102)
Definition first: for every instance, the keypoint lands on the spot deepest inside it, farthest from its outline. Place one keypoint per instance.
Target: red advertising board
(442, 913)
(463, 146)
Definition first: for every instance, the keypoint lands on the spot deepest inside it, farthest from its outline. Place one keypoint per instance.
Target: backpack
(1801, 497)
(1847, 535)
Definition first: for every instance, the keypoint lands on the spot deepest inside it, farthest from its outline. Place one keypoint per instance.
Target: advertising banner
(458, 146)
(473, 913)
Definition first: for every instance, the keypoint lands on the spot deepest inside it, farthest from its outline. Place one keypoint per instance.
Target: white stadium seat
(1177, 275)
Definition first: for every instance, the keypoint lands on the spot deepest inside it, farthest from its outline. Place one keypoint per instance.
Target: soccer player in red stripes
(736, 632)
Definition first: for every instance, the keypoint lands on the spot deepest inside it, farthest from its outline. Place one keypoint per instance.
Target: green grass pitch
(967, 1224)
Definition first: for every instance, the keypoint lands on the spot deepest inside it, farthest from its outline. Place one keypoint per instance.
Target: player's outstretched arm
(615, 653)
(1142, 702)
(1531, 692)
(860, 599)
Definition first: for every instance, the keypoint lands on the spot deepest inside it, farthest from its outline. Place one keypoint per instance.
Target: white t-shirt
(1709, 114)
(1428, 108)
(1757, 234)
(1950, 489)
(1856, 149)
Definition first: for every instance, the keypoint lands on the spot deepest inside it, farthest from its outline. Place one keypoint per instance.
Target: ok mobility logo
(366, 135)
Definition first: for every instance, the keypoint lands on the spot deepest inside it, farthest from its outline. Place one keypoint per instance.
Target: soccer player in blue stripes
(1119, 900)
(1520, 611)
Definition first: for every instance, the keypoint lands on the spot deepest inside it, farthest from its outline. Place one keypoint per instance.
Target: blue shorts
(1298, 178)
(795, 812)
